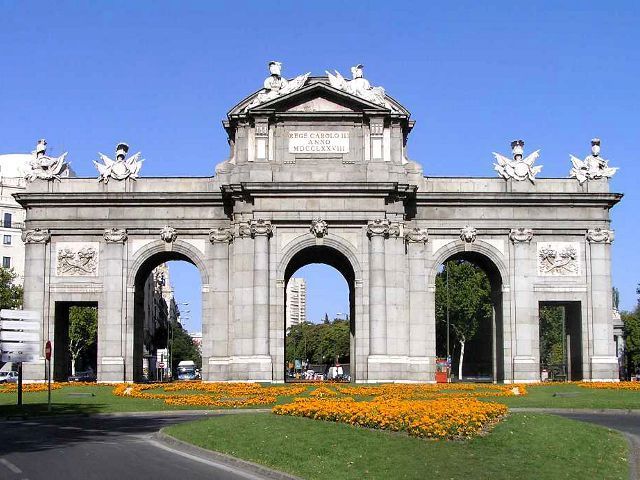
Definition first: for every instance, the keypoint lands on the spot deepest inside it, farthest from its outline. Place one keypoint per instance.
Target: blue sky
(475, 75)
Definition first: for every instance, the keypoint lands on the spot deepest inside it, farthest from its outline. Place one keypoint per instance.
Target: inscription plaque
(304, 141)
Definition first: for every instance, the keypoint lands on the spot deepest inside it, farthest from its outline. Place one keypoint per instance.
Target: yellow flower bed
(611, 385)
(446, 418)
(427, 391)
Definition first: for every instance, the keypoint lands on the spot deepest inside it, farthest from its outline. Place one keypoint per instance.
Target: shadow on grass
(28, 410)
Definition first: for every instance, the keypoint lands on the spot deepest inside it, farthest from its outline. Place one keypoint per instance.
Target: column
(215, 324)
(36, 286)
(526, 360)
(111, 314)
(421, 328)
(377, 231)
(261, 231)
(604, 363)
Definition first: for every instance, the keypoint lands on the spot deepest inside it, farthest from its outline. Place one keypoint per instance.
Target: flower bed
(447, 418)
(611, 385)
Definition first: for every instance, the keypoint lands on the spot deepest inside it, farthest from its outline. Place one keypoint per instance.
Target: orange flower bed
(427, 391)
(445, 418)
(611, 385)
(28, 387)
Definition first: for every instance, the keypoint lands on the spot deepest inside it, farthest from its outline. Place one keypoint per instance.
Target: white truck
(187, 370)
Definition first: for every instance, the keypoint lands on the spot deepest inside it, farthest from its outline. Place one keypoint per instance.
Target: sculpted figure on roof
(275, 85)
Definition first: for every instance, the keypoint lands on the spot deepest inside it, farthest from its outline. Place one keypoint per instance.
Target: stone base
(111, 369)
(604, 369)
(34, 371)
(399, 368)
(253, 368)
(525, 370)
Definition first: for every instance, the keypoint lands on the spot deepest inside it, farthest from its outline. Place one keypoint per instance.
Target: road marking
(10, 465)
(211, 463)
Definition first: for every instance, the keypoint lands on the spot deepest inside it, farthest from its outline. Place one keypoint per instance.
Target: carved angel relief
(519, 168)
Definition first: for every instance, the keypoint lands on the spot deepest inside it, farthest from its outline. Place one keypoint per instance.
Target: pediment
(316, 96)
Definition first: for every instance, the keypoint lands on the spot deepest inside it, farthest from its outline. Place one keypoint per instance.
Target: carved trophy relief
(558, 259)
(417, 235)
(121, 168)
(45, 167)
(593, 167)
(260, 227)
(521, 167)
(77, 259)
(378, 227)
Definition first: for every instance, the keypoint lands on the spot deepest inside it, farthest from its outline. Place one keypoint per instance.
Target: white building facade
(296, 310)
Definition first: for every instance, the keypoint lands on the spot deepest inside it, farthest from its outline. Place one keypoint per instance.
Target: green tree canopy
(183, 348)
(83, 332)
(326, 342)
(10, 293)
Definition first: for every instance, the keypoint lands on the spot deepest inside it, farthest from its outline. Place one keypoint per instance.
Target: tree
(183, 348)
(83, 331)
(551, 336)
(468, 300)
(10, 293)
(631, 321)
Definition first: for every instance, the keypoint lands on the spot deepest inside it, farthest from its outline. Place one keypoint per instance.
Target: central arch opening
(469, 326)
(167, 319)
(319, 316)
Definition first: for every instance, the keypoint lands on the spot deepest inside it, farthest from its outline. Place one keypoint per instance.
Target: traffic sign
(47, 350)
(19, 336)
(160, 364)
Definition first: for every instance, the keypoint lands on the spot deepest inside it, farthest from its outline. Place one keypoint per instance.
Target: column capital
(600, 235)
(220, 235)
(115, 235)
(260, 228)
(521, 235)
(378, 227)
(36, 235)
(417, 235)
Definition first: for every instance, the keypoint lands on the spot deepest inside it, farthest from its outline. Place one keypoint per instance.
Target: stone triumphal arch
(318, 172)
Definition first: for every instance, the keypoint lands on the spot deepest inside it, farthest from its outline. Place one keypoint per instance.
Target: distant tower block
(296, 302)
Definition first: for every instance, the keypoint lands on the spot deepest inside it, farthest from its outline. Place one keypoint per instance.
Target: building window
(6, 240)
(6, 262)
(7, 220)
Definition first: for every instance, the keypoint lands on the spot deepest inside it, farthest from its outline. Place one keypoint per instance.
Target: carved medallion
(168, 234)
(115, 235)
(75, 259)
(220, 235)
(36, 235)
(521, 235)
(318, 227)
(378, 227)
(468, 234)
(558, 259)
(260, 227)
(417, 235)
(600, 235)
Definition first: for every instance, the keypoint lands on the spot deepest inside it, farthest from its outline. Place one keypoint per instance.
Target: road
(103, 448)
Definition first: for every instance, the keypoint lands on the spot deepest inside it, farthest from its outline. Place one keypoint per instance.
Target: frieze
(521, 235)
(220, 235)
(77, 259)
(600, 235)
(468, 234)
(36, 235)
(417, 235)
(168, 234)
(319, 227)
(558, 258)
(115, 235)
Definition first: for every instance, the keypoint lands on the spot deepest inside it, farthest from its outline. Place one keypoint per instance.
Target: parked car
(87, 376)
(8, 377)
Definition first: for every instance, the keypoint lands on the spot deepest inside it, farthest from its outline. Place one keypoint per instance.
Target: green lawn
(579, 397)
(523, 446)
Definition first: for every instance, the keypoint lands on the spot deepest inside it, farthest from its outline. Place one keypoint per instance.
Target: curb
(618, 411)
(234, 463)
